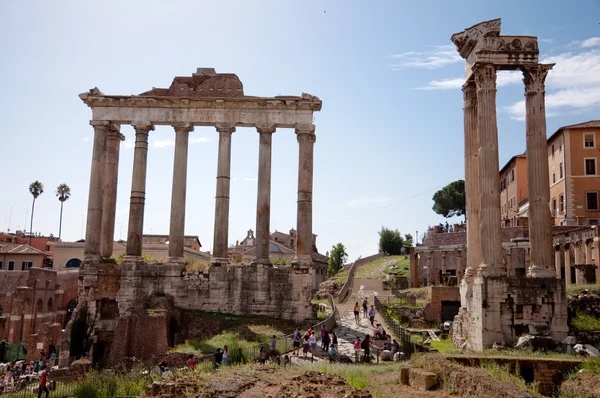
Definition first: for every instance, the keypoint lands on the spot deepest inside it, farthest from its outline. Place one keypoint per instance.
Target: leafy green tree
(82, 327)
(408, 240)
(63, 193)
(450, 200)
(391, 241)
(337, 259)
(36, 188)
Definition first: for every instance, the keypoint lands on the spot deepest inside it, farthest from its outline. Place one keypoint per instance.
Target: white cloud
(86, 139)
(504, 79)
(366, 201)
(199, 140)
(163, 143)
(591, 42)
(250, 179)
(437, 57)
(572, 86)
(128, 144)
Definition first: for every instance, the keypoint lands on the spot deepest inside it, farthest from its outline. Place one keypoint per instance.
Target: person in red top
(43, 382)
(191, 363)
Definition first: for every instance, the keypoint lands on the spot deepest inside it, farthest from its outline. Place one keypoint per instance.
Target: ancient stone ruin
(122, 298)
(497, 307)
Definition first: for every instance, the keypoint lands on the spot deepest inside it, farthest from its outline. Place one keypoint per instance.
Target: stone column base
(133, 260)
(501, 310)
(175, 261)
(217, 261)
(91, 260)
(262, 261)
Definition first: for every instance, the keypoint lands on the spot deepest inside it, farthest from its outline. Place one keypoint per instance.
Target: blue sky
(389, 134)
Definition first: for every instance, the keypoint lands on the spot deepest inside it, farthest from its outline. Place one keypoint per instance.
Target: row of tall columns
(538, 179)
(103, 186)
(484, 234)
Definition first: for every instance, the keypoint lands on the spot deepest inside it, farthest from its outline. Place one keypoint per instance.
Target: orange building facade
(513, 189)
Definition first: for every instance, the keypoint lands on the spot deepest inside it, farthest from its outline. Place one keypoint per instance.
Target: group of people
(329, 342)
(366, 312)
(24, 372)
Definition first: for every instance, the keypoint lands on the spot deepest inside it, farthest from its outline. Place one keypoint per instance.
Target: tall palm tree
(63, 193)
(36, 188)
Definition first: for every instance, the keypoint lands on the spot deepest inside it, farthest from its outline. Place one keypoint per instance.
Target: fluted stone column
(430, 276)
(538, 179)
(557, 262)
(263, 203)
(221, 231)
(304, 241)
(109, 202)
(473, 255)
(460, 267)
(588, 251)
(577, 258)
(444, 271)
(94, 215)
(138, 189)
(597, 257)
(568, 265)
(176, 232)
(489, 219)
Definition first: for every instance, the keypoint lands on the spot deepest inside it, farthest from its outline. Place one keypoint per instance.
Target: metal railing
(395, 329)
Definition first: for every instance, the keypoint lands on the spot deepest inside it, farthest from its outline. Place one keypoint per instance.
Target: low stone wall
(547, 372)
(585, 303)
(347, 288)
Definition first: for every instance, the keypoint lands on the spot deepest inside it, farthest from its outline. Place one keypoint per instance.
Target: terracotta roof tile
(16, 248)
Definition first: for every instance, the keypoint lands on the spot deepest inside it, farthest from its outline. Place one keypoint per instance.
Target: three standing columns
(137, 200)
(109, 201)
(221, 230)
(263, 202)
(94, 215)
(538, 179)
(176, 231)
(304, 242)
(492, 263)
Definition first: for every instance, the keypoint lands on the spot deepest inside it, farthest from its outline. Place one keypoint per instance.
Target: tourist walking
(313, 346)
(191, 362)
(326, 341)
(334, 341)
(43, 384)
(372, 315)
(262, 355)
(356, 313)
(323, 331)
(273, 348)
(297, 339)
(225, 355)
(218, 358)
(366, 345)
(365, 306)
(357, 349)
(305, 345)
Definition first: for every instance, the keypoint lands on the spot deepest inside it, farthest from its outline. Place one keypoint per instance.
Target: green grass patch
(378, 268)
(357, 376)
(504, 374)
(444, 346)
(584, 321)
(108, 385)
(341, 277)
(576, 289)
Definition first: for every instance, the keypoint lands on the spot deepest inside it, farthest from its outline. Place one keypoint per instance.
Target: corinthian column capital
(183, 127)
(266, 128)
(142, 127)
(485, 76)
(225, 127)
(470, 94)
(534, 77)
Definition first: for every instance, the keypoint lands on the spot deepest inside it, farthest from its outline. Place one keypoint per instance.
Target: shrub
(584, 321)
(82, 327)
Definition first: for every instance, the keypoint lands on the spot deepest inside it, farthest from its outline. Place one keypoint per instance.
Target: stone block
(404, 375)
(421, 379)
